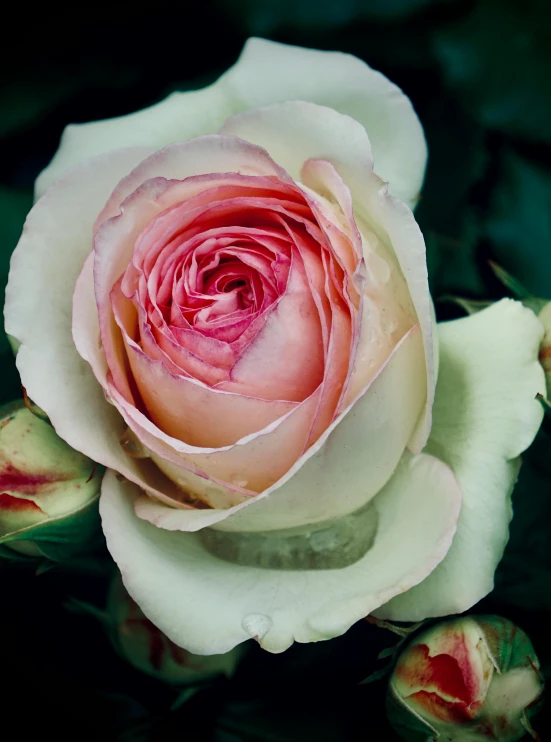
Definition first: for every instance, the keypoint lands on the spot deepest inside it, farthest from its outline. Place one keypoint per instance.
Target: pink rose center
(237, 287)
(228, 303)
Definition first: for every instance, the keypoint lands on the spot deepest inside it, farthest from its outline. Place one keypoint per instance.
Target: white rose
(229, 436)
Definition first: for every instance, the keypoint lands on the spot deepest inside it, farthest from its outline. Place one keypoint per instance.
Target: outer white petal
(208, 605)
(485, 416)
(56, 240)
(177, 118)
(295, 132)
(268, 72)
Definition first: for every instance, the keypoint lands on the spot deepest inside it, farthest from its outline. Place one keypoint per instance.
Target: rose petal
(342, 471)
(485, 415)
(285, 359)
(196, 414)
(204, 412)
(53, 373)
(295, 132)
(269, 72)
(208, 605)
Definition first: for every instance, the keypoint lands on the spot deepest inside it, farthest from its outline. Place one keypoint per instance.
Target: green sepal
(15, 556)
(34, 408)
(63, 537)
(509, 646)
(409, 726)
(512, 649)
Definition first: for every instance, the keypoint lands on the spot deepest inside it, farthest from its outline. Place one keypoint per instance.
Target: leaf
(519, 223)
(497, 58)
(87, 609)
(378, 674)
(470, 306)
(184, 696)
(517, 289)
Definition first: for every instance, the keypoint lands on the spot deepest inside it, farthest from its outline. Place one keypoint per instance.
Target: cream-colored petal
(208, 605)
(56, 240)
(296, 132)
(485, 415)
(177, 118)
(268, 72)
(342, 471)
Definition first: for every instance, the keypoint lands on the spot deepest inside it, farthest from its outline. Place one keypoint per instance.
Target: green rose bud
(48, 491)
(545, 349)
(145, 647)
(466, 680)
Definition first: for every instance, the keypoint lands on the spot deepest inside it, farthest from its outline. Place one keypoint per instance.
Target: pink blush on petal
(233, 306)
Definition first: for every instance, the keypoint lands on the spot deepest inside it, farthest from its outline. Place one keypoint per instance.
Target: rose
(318, 115)
(474, 678)
(49, 493)
(145, 647)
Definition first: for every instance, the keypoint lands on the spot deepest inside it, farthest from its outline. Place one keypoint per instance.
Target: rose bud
(468, 679)
(48, 491)
(146, 648)
(545, 348)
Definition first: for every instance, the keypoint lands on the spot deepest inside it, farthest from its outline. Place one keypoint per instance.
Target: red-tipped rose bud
(466, 680)
(48, 491)
(145, 647)
(545, 350)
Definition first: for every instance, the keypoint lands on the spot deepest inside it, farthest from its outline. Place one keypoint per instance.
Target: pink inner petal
(234, 302)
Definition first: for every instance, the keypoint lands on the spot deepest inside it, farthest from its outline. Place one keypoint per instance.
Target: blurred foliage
(478, 74)
(521, 236)
(497, 58)
(263, 19)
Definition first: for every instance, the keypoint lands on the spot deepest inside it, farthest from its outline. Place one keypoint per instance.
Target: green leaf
(377, 674)
(84, 608)
(498, 58)
(519, 223)
(470, 306)
(510, 282)
(517, 289)
(184, 696)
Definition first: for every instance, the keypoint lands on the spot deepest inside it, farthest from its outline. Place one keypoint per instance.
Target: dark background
(479, 76)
